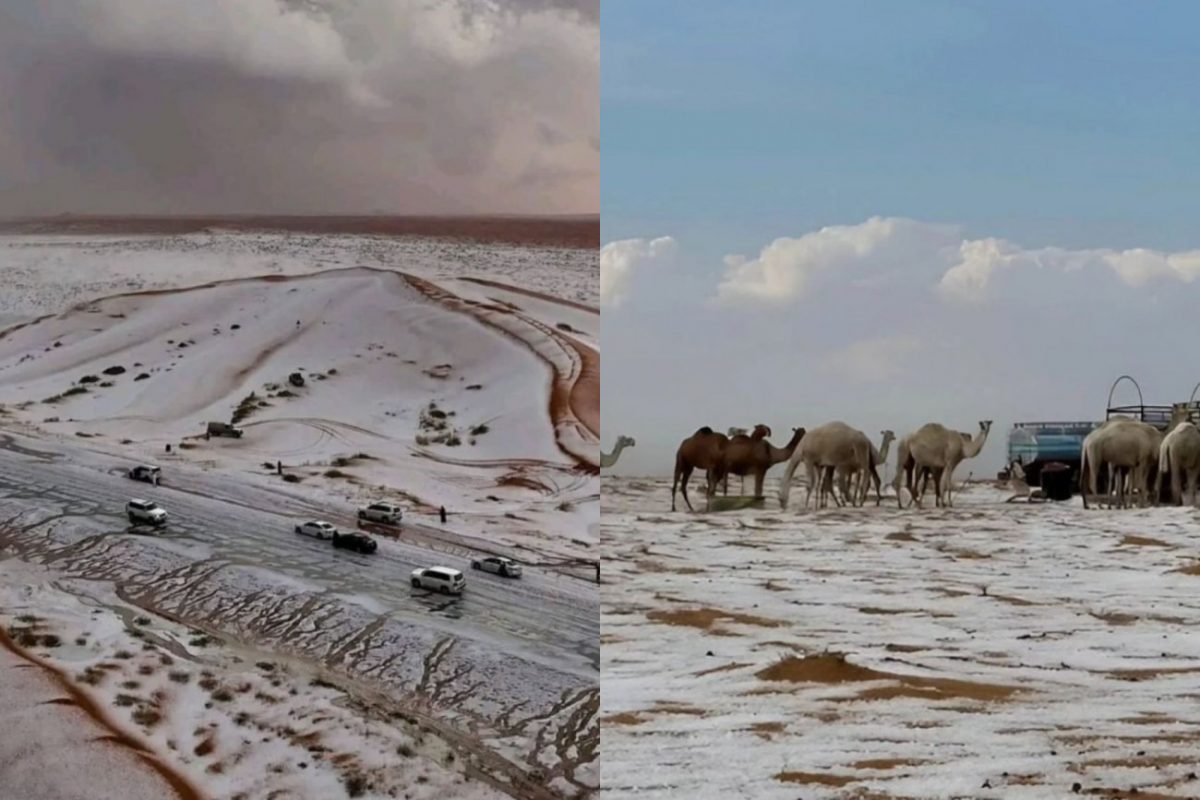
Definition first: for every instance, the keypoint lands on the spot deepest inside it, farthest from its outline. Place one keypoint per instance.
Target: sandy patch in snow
(990, 651)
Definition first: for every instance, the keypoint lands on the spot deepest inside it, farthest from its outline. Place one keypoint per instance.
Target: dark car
(355, 541)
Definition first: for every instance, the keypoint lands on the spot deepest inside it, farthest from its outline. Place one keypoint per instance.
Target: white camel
(938, 449)
(1179, 455)
(1020, 486)
(849, 481)
(1121, 445)
(831, 447)
(609, 459)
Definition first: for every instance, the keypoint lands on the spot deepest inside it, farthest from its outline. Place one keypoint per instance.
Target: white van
(439, 579)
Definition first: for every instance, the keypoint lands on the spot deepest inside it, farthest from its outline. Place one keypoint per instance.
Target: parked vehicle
(358, 542)
(146, 511)
(223, 429)
(498, 565)
(145, 472)
(386, 513)
(317, 529)
(439, 579)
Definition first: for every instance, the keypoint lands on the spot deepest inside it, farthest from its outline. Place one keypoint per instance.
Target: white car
(439, 579)
(318, 530)
(145, 511)
(498, 565)
(386, 513)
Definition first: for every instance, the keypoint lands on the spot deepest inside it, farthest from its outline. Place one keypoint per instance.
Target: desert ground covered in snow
(427, 372)
(991, 650)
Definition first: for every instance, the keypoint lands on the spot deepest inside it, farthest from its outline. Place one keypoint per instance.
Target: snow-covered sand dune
(447, 411)
(989, 651)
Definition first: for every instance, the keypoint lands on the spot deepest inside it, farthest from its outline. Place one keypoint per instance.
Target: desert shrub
(147, 716)
(142, 376)
(406, 751)
(245, 408)
(179, 676)
(356, 784)
(291, 478)
(116, 369)
(125, 700)
(222, 695)
(480, 429)
(89, 379)
(335, 473)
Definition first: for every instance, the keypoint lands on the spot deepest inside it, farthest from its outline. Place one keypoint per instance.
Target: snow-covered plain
(988, 651)
(428, 380)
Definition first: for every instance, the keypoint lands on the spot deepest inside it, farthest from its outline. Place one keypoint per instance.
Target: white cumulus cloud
(619, 259)
(961, 270)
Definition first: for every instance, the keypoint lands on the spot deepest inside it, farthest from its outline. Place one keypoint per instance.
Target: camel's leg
(675, 482)
(759, 478)
(1176, 485)
(810, 469)
(758, 491)
(687, 476)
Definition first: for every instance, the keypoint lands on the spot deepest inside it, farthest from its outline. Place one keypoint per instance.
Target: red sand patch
(835, 669)
(703, 618)
(815, 778)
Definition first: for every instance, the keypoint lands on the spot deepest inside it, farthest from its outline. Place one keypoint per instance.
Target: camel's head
(625, 441)
(985, 426)
(760, 432)
(888, 436)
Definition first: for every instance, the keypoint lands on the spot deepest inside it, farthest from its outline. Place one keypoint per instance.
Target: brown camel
(702, 450)
(743, 438)
(754, 455)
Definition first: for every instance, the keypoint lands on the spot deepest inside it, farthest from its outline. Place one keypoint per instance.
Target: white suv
(439, 579)
(386, 513)
(145, 511)
(319, 530)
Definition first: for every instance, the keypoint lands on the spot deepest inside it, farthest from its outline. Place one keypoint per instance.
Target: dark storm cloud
(169, 106)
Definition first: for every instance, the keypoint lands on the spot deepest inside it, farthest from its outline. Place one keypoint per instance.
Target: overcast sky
(893, 213)
(302, 106)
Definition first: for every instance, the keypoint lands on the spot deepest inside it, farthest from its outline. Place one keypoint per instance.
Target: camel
(1120, 444)
(906, 470)
(830, 447)
(609, 459)
(1020, 487)
(878, 457)
(742, 435)
(1179, 454)
(702, 450)
(754, 455)
(936, 447)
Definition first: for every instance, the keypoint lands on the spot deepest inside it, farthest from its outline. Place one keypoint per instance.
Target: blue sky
(1071, 125)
